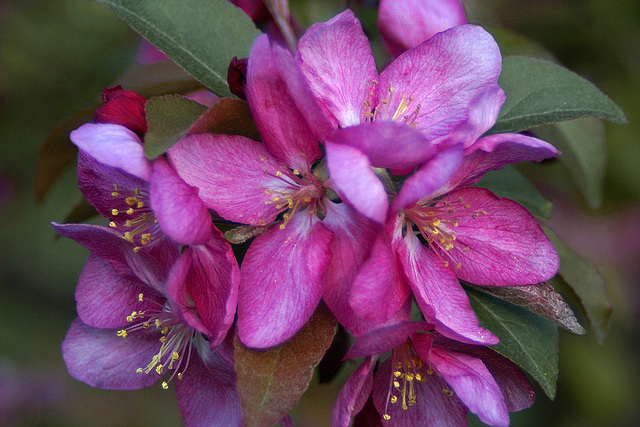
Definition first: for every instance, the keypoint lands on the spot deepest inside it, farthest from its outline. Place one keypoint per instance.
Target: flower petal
(354, 181)
(498, 242)
(105, 299)
(113, 145)
(432, 407)
(234, 175)
(404, 24)
(353, 394)
(438, 293)
(102, 359)
(335, 57)
(379, 280)
(385, 338)
(437, 81)
(281, 284)
(207, 393)
(203, 287)
(284, 130)
(472, 384)
(180, 213)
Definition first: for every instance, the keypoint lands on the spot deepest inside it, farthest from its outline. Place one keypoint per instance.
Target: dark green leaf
(270, 382)
(169, 118)
(157, 79)
(540, 92)
(527, 339)
(510, 183)
(584, 153)
(588, 285)
(200, 36)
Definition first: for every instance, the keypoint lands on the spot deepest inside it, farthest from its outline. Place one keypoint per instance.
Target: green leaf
(510, 183)
(587, 284)
(200, 36)
(584, 153)
(169, 117)
(270, 382)
(540, 92)
(527, 339)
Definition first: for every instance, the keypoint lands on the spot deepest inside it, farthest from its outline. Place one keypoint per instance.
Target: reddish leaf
(541, 299)
(270, 382)
(228, 116)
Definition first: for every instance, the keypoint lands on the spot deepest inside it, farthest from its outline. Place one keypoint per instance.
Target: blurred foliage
(55, 58)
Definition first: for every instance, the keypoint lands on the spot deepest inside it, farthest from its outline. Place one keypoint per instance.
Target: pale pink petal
(335, 57)
(379, 280)
(404, 24)
(355, 182)
(284, 130)
(498, 242)
(181, 214)
(439, 294)
(234, 175)
(436, 82)
(472, 383)
(281, 284)
(100, 358)
(353, 394)
(113, 145)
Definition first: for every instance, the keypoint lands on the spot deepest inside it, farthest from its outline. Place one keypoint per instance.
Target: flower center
(383, 109)
(176, 340)
(137, 222)
(406, 367)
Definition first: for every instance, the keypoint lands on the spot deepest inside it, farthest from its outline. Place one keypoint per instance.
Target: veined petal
(203, 287)
(181, 214)
(207, 393)
(355, 182)
(281, 284)
(105, 299)
(498, 242)
(404, 24)
(472, 384)
(353, 394)
(379, 280)
(235, 176)
(428, 180)
(100, 358)
(113, 145)
(438, 293)
(439, 79)
(387, 144)
(385, 338)
(284, 130)
(432, 407)
(335, 57)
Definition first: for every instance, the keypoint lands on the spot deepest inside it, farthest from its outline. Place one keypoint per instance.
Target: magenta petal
(336, 59)
(428, 180)
(438, 80)
(439, 295)
(207, 392)
(281, 284)
(284, 130)
(102, 359)
(105, 299)
(385, 338)
(234, 175)
(113, 145)
(353, 394)
(181, 214)
(379, 280)
(206, 276)
(387, 144)
(405, 24)
(432, 407)
(472, 384)
(498, 242)
(354, 181)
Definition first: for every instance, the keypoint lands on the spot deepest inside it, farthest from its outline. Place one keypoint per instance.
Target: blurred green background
(57, 55)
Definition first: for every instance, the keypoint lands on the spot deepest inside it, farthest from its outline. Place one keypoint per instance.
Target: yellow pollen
(158, 323)
(145, 325)
(458, 266)
(397, 374)
(129, 318)
(159, 369)
(163, 339)
(418, 377)
(179, 375)
(467, 206)
(140, 204)
(165, 385)
(115, 194)
(386, 417)
(393, 399)
(136, 249)
(131, 201)
(164, 330)
(130, 211)
(306, 200)
(139, 371)
(140, 297)
(278, 174)
(112, 224)
(122, 333)
(296, 172)
(429, 371)
(435, 222)
(396, 384)
(446, 263)
(114, 212)
(175, 355)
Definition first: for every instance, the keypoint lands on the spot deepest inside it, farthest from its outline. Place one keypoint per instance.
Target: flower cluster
(359, 194)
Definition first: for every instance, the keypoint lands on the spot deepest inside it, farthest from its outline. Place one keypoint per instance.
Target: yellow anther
(140, 204)
(396, 384)
(458, 266)
(127, 236)
(448, 246)
(448, 393)
(397, 374)
(467, 206)
(429, 371)
(140, 297)
(466, 249)
(306, 200)
(129, 318)
(179, 375)
(278, 173)
(435, 231)
(165, 385)
(164, 330)
(112, 224)
(418, 377)
(435, 222)
(387, 417)
(115, 194)
(136, 249)
(393, 399)
(122, 333)
(139, 371)
(474, 216)
(163, 339)
(145, 325)
(130, 211)
(296, 172)
(114, 212)
(446, 263)
(158, 323)
(159, 368)
(131, 201)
